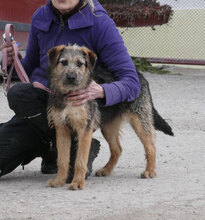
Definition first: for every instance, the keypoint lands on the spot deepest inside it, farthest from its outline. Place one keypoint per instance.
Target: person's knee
(19, 95)
(25, 100)
(16, 93)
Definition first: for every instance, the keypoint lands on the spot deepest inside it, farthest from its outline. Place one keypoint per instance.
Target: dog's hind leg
(63, 137)
(84, 143)
(145, 131)
(111, 134)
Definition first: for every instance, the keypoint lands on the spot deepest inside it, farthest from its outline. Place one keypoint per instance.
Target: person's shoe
(94, 150)
(49, 162)
(48, 167)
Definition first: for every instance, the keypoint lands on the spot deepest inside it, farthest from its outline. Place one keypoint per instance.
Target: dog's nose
(71, 77)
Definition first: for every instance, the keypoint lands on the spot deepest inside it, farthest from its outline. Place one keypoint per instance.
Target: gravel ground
(178, 191)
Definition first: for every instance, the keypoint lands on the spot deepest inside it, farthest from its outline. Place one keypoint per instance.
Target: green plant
(145, 66)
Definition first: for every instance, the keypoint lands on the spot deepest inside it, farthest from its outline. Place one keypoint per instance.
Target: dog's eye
(64, 62)
(79, 64)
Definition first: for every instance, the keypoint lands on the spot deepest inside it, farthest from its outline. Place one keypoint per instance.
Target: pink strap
(9, 31)
(41, 86)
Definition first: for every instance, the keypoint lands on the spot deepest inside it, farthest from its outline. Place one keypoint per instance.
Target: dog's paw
(102, 172)
(55, 183)
(148, 174)
(77, 185)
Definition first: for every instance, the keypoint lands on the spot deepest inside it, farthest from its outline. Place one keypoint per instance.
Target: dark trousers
(27, 135)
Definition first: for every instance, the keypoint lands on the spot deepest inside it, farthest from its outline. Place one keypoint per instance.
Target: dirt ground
(178, 191)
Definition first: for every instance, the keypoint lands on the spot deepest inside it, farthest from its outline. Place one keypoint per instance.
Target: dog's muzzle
(71, 78)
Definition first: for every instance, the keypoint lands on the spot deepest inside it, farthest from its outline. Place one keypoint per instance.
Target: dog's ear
(54, 53)
(91, 58)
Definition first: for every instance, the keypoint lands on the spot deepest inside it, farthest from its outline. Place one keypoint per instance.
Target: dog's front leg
(63, 138)
(84, 142)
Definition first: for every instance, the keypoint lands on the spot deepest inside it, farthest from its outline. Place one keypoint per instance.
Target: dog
(72, 68)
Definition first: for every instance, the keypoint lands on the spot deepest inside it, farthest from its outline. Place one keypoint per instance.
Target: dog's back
(140, 106)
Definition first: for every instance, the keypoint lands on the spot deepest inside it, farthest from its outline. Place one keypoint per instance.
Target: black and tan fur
(71, 69)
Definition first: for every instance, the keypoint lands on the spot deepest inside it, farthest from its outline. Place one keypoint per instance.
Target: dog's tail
(160, 124)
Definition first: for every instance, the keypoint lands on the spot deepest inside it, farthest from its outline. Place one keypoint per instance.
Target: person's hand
(93, 91)
(10, 53)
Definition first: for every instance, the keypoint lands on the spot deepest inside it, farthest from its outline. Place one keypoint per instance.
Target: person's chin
(64, 11)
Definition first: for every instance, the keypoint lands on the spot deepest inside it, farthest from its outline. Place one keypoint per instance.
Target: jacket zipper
(62, 25)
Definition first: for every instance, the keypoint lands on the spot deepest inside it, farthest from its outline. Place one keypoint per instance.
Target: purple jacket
(96, 31)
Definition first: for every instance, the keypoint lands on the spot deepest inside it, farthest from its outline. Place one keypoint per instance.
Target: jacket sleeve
(113, 54)
(32, 57)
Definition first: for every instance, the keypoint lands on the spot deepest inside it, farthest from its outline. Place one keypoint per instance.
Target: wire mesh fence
(181, 40)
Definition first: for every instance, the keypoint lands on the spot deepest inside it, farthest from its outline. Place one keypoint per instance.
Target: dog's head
(71, 67)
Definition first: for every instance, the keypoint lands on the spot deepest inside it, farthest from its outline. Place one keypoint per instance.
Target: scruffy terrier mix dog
(71, 69)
